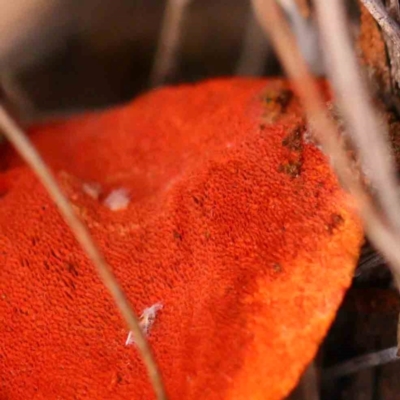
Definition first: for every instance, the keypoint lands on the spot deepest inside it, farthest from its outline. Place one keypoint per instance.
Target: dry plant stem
(388, 18)
(356, 364)
(369, 260)
(16, 136)
(306, 35)
(387, 24)
(304, 7)
(167, 49)
(325, 130)
(365, 128)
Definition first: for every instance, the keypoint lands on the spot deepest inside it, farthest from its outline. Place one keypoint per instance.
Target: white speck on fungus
(92, 189)
(146, 322)
(118, 199)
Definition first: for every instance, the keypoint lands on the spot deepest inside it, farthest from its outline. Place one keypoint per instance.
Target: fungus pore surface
(234, 224)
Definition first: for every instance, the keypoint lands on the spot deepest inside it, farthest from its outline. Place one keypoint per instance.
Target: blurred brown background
(71, 55)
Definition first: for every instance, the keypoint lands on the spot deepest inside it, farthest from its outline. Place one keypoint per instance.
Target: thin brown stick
(16, 136)
(275, 25)
(356, 364)
(387, 19)
(365, 128)
(169, 40)
(306, 35)
(387, 24)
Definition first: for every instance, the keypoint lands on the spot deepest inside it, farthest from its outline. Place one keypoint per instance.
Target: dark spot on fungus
(293, 141)
(292, 168)
(335, 222)
(118, 378)
(69, 295)
(24, 262)
(277, 267)
(177, 235)
(72, 269)
(276, 101)
(280, 97)
(198, 201)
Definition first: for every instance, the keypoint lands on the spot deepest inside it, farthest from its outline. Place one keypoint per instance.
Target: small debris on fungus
(335, 222)
(276, 100)
(291, 168)
(309, 138)
(92, 189)
(231, 244)
(146, 321)
(293, 140)
(117, 200)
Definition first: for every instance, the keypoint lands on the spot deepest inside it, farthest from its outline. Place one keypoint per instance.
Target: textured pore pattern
(234, 224)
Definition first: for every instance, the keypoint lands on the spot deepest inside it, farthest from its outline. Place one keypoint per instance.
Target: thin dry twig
(167, 49)
(304, 7)
(16, 136)
(368, 262)
(365, 128)
(306, 34)
(356, 364)
(388, 19)
(387, 24)
(275, 25)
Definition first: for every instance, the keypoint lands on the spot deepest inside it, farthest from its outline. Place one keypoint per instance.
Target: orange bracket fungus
(224, 214)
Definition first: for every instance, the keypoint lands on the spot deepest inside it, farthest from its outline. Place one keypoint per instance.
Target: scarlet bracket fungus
(236, 223)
